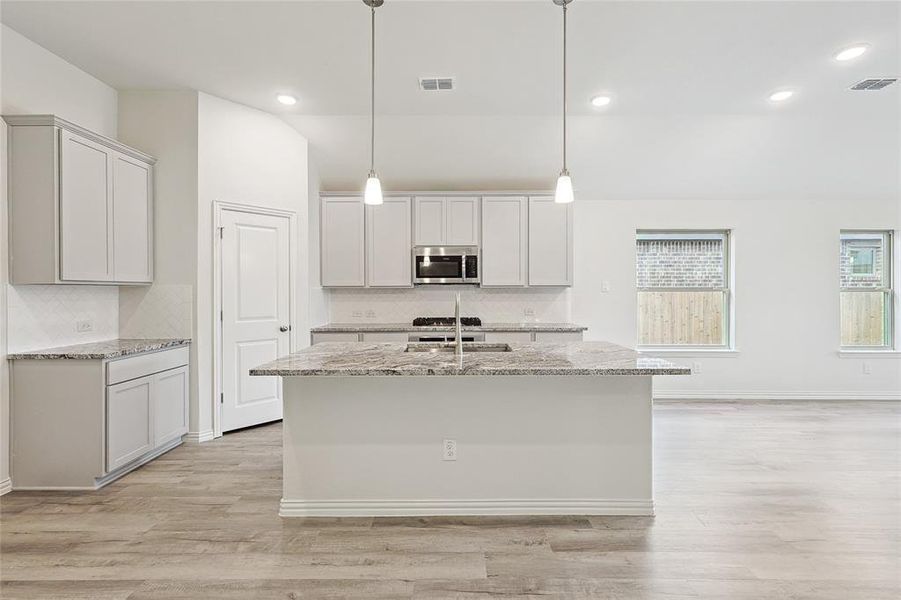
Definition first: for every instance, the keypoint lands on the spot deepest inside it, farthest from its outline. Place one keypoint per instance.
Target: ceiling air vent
(873, 84)
(436, 84)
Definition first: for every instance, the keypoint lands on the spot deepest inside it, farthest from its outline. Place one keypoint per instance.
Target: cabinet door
(462, 217)
(429, 225)
(550, 242)
(504, 231)
(85, 210)
(170, 405)
(388, 248)
(132, 220)
(129, 432)
(342, 231)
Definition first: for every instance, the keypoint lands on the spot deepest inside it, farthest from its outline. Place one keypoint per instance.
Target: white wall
(246, 157)
(33, 80)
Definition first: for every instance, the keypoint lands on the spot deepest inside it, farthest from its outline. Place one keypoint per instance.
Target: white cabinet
(81, 205)
(388, 245)
(170, 405)
(448, 221)
(508, 337)
(132, 220)
(81, 423)
(504, 241)
(558, 336)
(550, 242)
(129, 428)
(343, 242)
(386, 336)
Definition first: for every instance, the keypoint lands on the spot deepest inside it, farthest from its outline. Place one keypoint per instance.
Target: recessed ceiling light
(599, 101)
(852, 52)
(286, 99)
(781, 96)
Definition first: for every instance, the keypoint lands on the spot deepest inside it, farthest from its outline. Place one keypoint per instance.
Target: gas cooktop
(445, 321)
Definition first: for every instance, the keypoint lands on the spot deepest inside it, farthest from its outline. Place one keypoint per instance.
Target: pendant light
(564, 191)
(373, 191)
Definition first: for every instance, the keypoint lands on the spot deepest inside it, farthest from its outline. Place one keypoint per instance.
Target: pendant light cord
(372, 101)
(564, 88)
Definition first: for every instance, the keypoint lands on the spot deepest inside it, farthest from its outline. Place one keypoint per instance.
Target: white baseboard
(6, 486)
(197, 437)
(776, 395)
(425, 508)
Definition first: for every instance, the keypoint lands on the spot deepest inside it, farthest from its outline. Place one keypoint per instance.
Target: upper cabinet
(550, 242)
(523, 241)
(343, 245)
(389, 262)
(80, 205)
(446, 221)
(504, 241)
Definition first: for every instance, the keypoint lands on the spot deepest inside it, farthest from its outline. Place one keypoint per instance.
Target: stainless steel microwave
(445, 265)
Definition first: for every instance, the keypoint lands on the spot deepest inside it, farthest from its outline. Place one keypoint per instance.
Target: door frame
(219, 207)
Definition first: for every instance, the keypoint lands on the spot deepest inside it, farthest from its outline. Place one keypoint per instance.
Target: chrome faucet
(458, 331)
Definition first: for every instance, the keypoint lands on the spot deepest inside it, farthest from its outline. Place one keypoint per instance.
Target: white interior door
(255, 315)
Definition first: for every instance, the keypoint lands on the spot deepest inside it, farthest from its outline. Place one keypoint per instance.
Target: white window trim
(727, 235)
(891, 253)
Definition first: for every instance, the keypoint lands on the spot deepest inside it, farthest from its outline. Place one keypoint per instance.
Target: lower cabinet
(82, 423)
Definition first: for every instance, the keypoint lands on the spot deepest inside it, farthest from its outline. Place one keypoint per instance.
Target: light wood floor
(755, 501)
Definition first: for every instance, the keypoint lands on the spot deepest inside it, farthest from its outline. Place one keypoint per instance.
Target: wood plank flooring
(789, 500)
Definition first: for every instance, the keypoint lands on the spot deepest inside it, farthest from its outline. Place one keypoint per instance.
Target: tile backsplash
(157, 311)
(44, 316)
(491, 305)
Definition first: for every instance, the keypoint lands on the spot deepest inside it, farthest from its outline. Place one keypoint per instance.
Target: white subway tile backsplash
(44, 316)
(491, 305)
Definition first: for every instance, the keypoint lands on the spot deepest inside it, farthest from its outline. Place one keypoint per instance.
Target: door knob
(284, 328)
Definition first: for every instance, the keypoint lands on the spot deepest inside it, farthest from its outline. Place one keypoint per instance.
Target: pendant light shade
(564, 192)
(373, 193)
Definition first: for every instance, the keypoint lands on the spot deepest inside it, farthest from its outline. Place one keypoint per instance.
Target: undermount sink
(451, 346)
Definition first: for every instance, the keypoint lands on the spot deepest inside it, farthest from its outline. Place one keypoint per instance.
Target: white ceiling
(655, 58)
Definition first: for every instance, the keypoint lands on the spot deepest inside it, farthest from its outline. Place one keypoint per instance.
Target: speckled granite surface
(537, 358)
(406, 327)
(100, 350)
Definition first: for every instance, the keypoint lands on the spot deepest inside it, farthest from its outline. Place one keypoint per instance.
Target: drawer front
(386, 336)
(141, 365)
(506, 337)
(558, 336)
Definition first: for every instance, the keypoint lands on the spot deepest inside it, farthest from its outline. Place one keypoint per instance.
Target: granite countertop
(537, 358)
(101, 350)
(406, 327)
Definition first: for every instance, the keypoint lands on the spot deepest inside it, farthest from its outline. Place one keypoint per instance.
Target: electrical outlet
(605, 286)
(370, 314)
(695, 367)
(449, 449)
(529, 312)
(866, 368)
(83, 326)
(358, 314)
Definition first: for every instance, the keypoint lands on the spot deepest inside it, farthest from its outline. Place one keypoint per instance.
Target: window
(865, 279)
(683, 288)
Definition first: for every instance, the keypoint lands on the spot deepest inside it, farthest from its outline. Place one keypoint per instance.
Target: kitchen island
(413, 429)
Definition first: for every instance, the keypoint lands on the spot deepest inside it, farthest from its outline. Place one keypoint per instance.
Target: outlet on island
(449, 450)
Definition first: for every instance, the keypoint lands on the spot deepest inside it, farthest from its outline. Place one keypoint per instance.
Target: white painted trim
(889, 396)
(688, 352)
(54, 121)
(869, 354)
(197, 437)
(422, 508)
(6, 486)
(219, 206)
